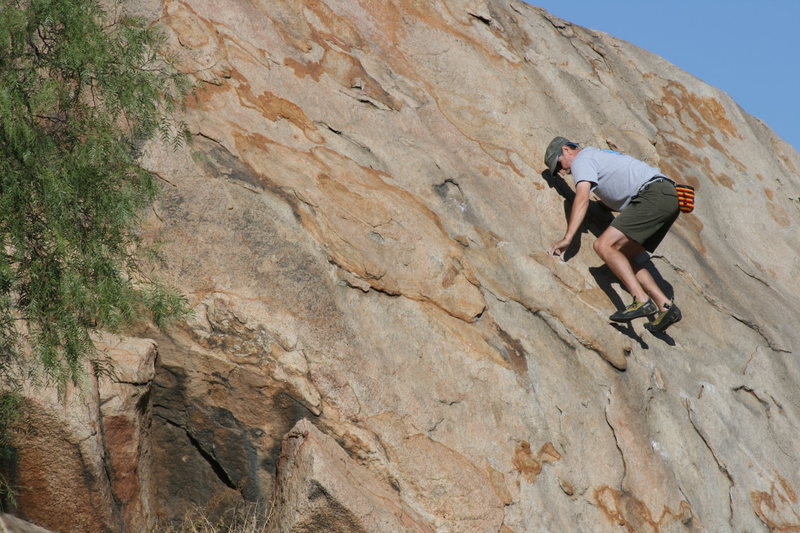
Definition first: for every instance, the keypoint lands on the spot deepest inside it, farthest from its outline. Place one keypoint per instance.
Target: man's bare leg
(631, 250)
(609, 246)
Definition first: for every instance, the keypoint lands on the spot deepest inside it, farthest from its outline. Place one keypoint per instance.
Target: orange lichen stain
(273, 107)
(529, 466)
(348, 72)
(622, 509)
(769, 192)
(314, 23)
(725, 181)
(691, 227)
(777, 508)
(304, 70)
(189, 27)
(202, 98)
(335, 28)
(760, 177)
(498, 481)
(707, 113)
(779, 214)
(429, 13)
(704, 120)
(678, 158)
(291, 19)
(450, 276)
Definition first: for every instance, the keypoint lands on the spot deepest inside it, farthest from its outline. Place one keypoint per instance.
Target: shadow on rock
(598, 216)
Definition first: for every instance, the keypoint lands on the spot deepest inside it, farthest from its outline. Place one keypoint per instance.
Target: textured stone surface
(82, 458)
(319, 486)
(361, 224)
(12, 524)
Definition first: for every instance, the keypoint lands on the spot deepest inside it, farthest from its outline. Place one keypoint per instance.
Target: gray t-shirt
(616, 177)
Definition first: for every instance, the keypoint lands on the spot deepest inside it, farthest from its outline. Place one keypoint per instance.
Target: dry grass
(249, 518)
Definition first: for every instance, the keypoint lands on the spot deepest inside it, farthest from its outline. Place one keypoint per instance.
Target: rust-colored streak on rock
(681, 157)
(50, 469)
(690, 228)
(707, 113)
(208, 45)
(119, 433)
(778, 508)
(273, 107)
(703, 118)
(779, 214)
(498, 481)
(510, 349)
(292, 22)
(192, 30)
(338, 38)
(206, 96)
(623, 509)
(528, 465)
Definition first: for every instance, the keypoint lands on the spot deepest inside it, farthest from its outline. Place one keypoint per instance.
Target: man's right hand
(558, 248)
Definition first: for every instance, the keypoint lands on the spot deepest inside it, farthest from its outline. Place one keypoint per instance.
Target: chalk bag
(685, 198)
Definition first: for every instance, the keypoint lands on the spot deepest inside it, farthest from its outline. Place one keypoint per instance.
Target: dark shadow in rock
(628, 331)
(606, 280)
(664, 336)
(598, 216)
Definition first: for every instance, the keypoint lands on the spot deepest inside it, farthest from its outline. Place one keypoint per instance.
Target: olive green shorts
(650, 214)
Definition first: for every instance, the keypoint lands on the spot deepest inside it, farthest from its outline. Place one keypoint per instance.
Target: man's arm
(578, 212)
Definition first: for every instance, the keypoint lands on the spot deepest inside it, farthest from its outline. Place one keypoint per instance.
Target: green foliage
(79, 93)
(9, 413)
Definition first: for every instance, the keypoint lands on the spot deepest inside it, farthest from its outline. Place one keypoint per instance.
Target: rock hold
(320, 489)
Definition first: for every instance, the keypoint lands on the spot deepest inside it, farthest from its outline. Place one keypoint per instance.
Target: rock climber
(647, 205)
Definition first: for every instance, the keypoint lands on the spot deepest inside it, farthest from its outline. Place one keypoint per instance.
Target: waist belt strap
(652, 180)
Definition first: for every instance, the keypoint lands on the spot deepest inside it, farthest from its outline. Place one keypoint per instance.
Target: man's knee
(601, 246)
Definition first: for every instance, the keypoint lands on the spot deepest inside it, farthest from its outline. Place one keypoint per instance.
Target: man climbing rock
(647, 205)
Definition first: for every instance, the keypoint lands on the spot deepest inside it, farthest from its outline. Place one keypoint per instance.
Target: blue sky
(747, 48)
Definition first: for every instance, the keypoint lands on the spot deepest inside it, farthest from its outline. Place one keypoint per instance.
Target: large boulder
(361, 225)
(320, 488)
(81, 457)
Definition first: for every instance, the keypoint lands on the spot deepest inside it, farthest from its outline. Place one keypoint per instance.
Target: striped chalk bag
(685, 198)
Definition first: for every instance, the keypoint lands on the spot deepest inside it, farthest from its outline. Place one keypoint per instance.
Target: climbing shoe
(635, 310)
(664, 319)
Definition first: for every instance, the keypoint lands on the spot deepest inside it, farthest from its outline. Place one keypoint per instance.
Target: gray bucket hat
(554, 150)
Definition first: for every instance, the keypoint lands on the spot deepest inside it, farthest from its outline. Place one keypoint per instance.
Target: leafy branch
(80, 92)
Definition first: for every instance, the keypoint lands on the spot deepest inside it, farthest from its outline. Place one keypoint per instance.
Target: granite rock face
(82, 458)
(319, 484)
(12, 524)
(360, 224)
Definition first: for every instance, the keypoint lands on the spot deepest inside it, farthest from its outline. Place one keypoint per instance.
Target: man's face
(565, 159)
